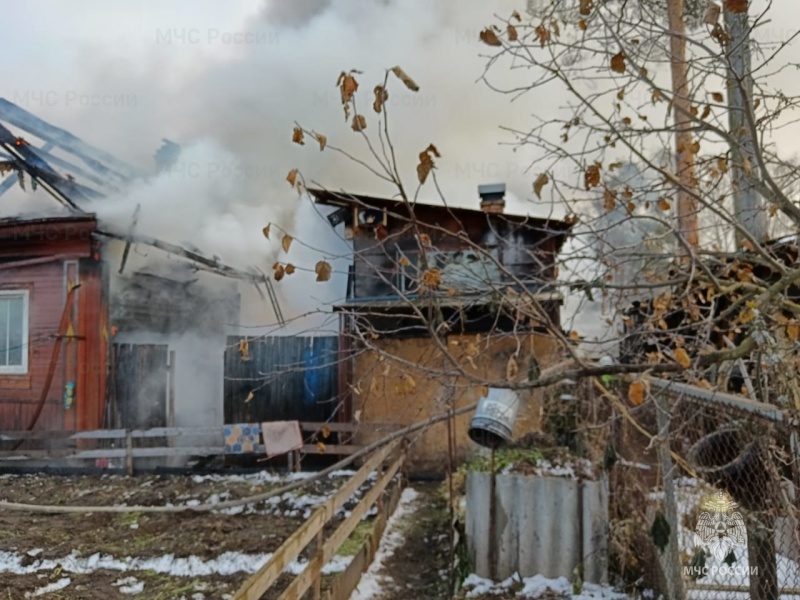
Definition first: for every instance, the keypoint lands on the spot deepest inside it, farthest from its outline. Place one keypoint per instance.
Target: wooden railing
(61, 442)
(311, 577)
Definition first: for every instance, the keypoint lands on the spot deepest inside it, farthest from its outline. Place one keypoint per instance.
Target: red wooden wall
(45, 257)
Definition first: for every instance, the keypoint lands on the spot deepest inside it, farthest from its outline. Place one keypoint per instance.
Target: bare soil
(141, 535)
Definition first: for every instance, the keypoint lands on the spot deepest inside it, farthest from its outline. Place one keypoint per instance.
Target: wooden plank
(108, 434)
(112, 453)
(262, 580)
(303, 582)
(332, 449)
(129, 454)
(345, 583)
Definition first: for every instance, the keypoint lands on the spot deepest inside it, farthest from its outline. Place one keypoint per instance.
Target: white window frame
(23, 368)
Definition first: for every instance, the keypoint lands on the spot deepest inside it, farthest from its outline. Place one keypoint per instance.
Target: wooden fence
(124, 442)
(311, 577)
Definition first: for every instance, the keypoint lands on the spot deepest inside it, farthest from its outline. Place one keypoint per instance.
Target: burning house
(101, 328)
(393, 319)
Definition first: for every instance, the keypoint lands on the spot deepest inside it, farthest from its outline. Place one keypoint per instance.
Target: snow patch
(539, 586)
(129, 585)
(53, 587)
(372, 582)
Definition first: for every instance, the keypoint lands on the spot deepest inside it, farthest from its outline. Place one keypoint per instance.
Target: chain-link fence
(718, 470)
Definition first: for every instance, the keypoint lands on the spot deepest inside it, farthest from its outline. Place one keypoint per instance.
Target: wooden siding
(291, 378)
(82, 359)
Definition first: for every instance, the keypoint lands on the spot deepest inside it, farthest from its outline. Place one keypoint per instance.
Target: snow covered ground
(538, 587)
(298, 504)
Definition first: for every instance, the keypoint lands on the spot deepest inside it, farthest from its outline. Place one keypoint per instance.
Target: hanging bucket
(728, 459)
(493, 422)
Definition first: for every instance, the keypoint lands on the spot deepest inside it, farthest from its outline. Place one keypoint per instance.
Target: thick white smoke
(229, 88)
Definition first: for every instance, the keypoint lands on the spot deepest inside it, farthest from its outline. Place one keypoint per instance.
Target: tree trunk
(682, 106)
(748, 206)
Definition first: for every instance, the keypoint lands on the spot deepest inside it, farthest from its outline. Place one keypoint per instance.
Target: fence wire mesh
(723, 476)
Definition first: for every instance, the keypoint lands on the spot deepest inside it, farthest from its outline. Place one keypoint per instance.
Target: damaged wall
(392, 394)
(160, 300)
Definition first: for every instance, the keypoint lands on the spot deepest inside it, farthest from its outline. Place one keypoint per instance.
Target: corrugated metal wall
(291, 378)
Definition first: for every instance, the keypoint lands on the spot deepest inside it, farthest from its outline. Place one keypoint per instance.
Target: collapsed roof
(74, 172)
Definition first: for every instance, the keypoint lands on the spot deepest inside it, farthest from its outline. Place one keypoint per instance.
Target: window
(13, 332)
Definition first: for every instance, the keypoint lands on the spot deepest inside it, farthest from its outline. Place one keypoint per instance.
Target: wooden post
(128, 452)
(670, 557)
(171, 390)
(321, 557)
(682, 106)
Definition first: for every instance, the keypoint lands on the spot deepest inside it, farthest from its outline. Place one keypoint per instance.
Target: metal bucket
(493, 421)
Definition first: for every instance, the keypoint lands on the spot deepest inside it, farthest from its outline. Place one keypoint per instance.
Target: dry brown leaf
(541, 181)
(582, 25)
(512, 33)
(556, 28)
(542, 34)
(292, 177)
(591, 176)
(325, 432)
(244, 350)
(290, 268)
(621, 94)
(323, 141)
(711, 16)
(265, 231)
(793, 331)
(323, 270)
(609, 200)
(682, 357)
(574, 336)
(359, 123)
(297, 136)
(489, 37)
(432, 279)
(636, 393)
(512, 369)
(426, 164)
(347, 86)
(402, 76)
(586, 7)
(279, 272)
(249, 397)
(381, 96)
(717, 97)
(706, 112)
(286, 242)
(657, 96)
(664, 204)
(695, 147)
(736, 6)
(618, 63)
(320, 447)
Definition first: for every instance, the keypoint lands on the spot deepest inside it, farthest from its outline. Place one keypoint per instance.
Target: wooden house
(427, 321)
